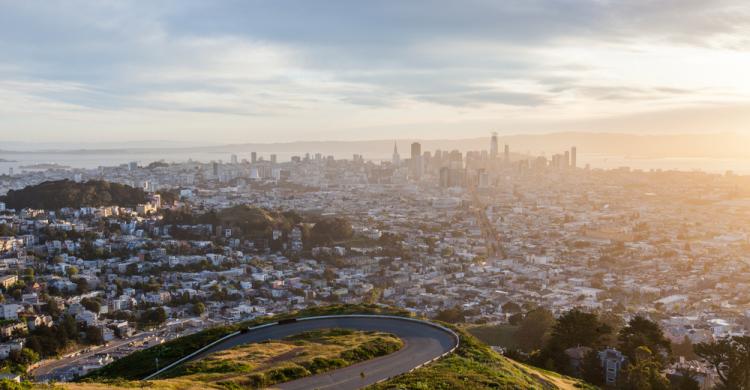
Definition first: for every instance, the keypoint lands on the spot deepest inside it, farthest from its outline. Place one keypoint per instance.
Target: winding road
(423, 343)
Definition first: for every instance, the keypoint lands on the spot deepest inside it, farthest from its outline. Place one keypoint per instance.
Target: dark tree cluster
(640, 340)
(54, 195)
(330, 230)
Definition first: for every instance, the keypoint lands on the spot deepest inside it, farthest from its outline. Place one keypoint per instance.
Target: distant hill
(691, 145)
(250, 222)
(54, 195)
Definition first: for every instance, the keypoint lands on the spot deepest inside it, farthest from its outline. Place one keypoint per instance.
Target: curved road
(423, 342)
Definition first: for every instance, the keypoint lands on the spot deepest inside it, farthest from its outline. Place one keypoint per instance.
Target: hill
(54, 195)
(256, 222)
(260, 365)
(473, 366)
(476, 366)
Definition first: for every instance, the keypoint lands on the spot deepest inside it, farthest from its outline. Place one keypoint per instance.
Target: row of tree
(545, 339)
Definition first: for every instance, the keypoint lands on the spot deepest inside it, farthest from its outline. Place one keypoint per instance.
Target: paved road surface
(422, 343)
(50, 368)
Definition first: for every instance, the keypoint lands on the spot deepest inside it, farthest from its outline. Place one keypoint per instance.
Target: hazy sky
(260, 71)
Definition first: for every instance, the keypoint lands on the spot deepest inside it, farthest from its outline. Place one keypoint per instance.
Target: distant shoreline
(45, 166)
(679, 146)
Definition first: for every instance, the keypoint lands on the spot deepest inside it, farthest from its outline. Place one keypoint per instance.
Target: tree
(82, 286)
(515, 319)
(730, 357)
(152, 317)
(7, 384)
(591, 368)
(641, 332)
(329, 274)
(94, 335)
(577, 328)
(511, 307)
(68, 328)
(72, 271)
(91, 304)
(330, 230)
(28, 275)
(24, 357)
(534, 329)
(53, 308)
(199, 308)
(615, 322)
(685, 380)
(452, 315)
(644, 372)
(685, 348)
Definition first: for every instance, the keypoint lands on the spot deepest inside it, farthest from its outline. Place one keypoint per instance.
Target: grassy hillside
(499, 335)
(140, 364)
(475, 366)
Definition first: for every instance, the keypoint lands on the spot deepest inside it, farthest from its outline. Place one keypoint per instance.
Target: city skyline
(292, 71)
(334, 194)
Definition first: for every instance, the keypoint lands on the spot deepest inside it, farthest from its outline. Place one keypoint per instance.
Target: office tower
(444, 177)
(426, 159)
(573, 157)
(2, 206)
(455, 177)
(215, 168)
(132, 166)
(484, 179)
(506, 154)
(396, 159)
(455, 159)
(493, 147)
(233, 159)
(273, 159)
(253, 157)
(416, 160)
(566, 159)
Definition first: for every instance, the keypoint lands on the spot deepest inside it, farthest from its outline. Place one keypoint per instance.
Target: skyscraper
(573, 157)
(493, 146)
(253, 157)
(273, 159)
(506, 154)
(233, 159)
(396, 160)
(444, 177)
(416, 160)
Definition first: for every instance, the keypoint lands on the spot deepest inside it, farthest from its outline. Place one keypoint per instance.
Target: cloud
(340, 64)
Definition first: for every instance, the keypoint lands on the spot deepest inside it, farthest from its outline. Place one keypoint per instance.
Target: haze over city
(380, 195)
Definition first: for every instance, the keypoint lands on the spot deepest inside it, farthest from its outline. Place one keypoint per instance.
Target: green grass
(475, 366)
(259, 365)
(500, 335)
(140, 364)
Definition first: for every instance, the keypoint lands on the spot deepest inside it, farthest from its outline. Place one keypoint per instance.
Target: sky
(209, 72)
